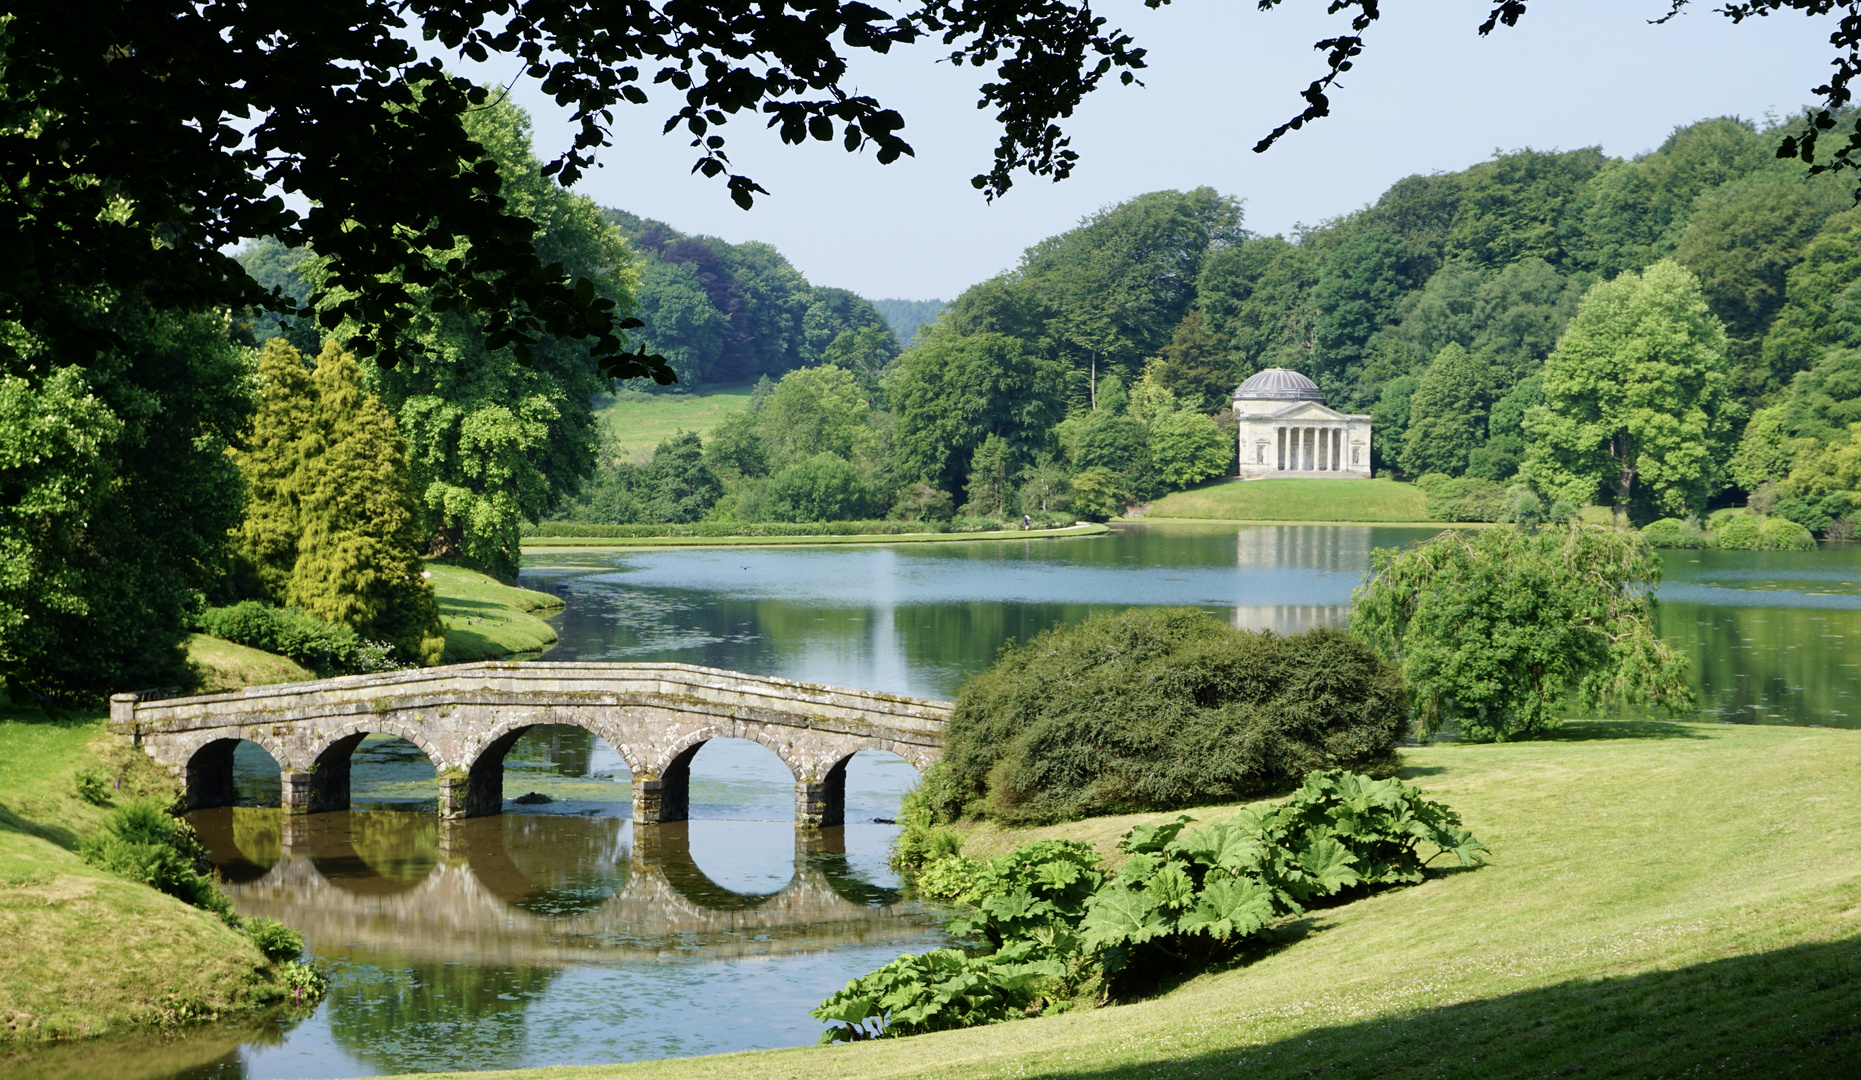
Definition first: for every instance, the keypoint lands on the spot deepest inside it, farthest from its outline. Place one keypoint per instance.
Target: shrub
(824, 487)
(1675, 533)
(92, 786)
(325, 647)
(1158, 709)
(275, 940)
(1739, 532)
(1189, 897)
(1782, 534)
(142, 841)
(921, 840)
(1499, 630)
(1049, 918)
(1467, 498)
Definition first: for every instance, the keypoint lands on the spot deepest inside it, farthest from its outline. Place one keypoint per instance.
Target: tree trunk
(1622, 450)
(446, 542)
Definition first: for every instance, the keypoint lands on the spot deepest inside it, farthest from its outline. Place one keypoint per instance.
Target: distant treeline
(731, 313)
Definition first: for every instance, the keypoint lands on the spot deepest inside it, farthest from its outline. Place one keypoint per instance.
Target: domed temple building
(1288, 430)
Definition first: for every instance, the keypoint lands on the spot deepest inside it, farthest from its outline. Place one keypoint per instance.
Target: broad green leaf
(1328, 865)
(1118, 915)
(1230, 908)
(1171, 888)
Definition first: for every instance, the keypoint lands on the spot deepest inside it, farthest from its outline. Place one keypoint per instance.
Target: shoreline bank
(532, 544)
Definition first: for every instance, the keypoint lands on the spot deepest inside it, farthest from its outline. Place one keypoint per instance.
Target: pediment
(1309, 410)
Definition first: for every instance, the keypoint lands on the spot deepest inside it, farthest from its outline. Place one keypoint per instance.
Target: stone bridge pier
(466, 718)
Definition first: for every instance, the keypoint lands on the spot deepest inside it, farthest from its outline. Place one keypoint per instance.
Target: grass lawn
(539, 544)
(1295, 500)
(486, 619)
(637, 423)
(83, 952)
(1664, 899)
(224, 665)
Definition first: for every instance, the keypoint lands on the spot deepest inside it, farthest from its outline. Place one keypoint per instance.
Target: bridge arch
(208, 769)
(483, 790)
(825, 799)
(330, 759)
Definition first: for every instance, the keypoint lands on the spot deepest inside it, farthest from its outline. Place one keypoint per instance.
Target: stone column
(657, 800)
(1279, 462)
(297, 792)
(822, 804)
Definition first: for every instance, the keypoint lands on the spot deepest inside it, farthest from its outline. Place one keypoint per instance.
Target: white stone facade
(1287, 430)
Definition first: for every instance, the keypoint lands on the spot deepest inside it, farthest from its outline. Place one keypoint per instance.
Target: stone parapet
(466, 717)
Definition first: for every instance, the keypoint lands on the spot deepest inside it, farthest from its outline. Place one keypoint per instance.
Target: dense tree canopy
(118, 498)
(1637, 398)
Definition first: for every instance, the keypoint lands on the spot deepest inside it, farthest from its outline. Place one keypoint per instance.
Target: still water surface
(559, 934)
(1775, 637)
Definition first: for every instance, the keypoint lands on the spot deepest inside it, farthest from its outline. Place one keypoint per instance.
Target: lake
(560, 933)
(1769, 633)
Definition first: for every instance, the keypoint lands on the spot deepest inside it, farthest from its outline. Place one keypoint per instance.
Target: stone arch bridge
(466, 717)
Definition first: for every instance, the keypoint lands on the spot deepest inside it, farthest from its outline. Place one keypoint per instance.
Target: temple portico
(1286, 429)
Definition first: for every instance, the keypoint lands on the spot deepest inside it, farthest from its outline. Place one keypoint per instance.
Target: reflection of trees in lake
(561, 749)
(1769, 663)
(424, 1017)
(393, 848)
(257, 834)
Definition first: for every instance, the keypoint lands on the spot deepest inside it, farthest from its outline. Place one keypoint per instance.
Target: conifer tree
(266, 539)
(1447, 414)
(358, 559)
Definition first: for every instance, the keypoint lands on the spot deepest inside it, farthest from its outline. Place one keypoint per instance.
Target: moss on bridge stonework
(465, 717)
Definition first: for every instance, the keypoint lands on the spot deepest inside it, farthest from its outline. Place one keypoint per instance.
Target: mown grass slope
(635, 422)
(1663, 900)
(83, 952)
(486, 619)
(224, 665)
(1345, 499)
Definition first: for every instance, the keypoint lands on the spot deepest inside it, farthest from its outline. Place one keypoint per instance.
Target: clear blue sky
(1428, 95)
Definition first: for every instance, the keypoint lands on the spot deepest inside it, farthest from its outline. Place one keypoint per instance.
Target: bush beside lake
(1733, 530)
(1158, 709)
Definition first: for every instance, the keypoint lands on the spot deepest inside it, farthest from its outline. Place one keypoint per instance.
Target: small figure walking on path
(1026, 523)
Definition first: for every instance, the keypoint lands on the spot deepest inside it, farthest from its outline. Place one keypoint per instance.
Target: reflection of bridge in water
(532, 900)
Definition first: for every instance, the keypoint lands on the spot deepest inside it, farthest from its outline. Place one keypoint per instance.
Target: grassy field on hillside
(486, 619)
(224, 665)
(637, 422)
(83, 952)
(1295, 500)
(1664, 899)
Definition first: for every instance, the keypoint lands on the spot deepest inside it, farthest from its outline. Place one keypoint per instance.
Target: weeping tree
(1496, 630)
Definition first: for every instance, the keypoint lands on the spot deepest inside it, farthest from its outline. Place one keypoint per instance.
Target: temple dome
(1279, 384)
